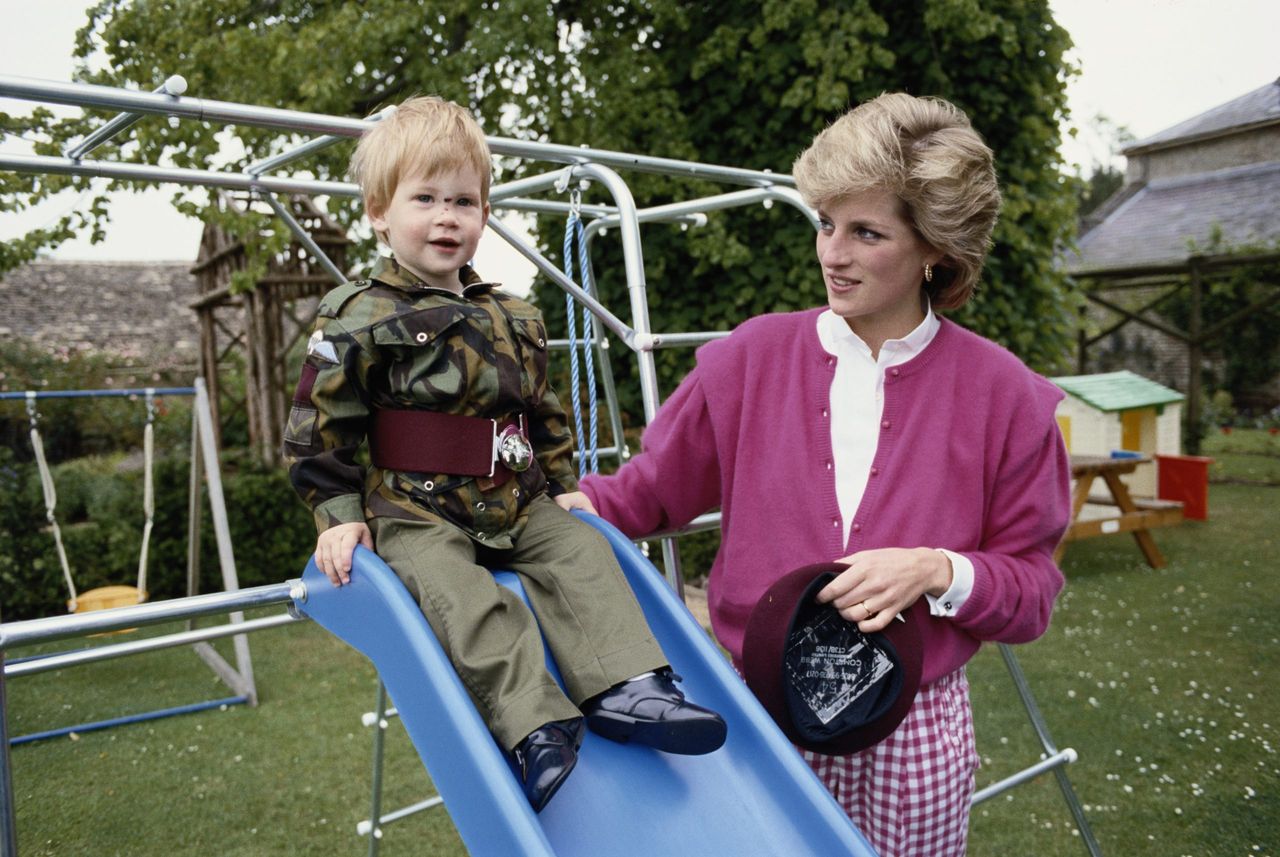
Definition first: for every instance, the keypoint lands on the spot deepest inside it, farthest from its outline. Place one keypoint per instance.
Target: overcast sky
(1145, 65)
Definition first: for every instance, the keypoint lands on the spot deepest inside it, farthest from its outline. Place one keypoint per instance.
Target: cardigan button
(857, 528)
(824, 412)
(894, 372)
(884, 424)
(830, 465)
(835, 522)
(875, 471)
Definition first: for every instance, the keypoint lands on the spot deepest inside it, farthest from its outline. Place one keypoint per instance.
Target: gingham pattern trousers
(909, 794)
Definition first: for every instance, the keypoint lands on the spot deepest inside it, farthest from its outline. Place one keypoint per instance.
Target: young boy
(445, 377)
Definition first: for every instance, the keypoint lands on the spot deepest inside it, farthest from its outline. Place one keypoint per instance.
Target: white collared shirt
(857, 404)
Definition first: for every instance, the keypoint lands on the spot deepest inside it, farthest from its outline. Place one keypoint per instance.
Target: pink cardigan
(970, 459)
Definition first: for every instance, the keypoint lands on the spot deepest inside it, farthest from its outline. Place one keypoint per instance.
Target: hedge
(101, 517)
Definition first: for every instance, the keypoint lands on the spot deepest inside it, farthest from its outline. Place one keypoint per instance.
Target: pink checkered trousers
(909, 794)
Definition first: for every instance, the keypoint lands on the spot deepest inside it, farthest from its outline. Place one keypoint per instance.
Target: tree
(736, 82)
(1106, 175)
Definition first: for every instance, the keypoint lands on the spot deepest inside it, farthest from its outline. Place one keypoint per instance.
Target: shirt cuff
(343, 509)
(950, 602)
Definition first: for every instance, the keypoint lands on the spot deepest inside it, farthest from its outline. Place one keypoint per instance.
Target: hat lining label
(831, 664)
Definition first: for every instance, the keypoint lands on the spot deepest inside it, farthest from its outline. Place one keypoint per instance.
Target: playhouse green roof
(1117, 391)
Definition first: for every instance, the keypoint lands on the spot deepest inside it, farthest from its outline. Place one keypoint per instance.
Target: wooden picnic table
(1132, 516)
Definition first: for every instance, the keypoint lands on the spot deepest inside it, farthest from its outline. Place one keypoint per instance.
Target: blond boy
(445, 378)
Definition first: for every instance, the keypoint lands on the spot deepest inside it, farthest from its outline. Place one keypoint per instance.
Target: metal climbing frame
(573, 165)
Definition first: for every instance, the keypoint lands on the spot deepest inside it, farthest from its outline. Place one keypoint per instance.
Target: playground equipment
(102, 597)
(204, 467)
(579, 164)
(753, 796)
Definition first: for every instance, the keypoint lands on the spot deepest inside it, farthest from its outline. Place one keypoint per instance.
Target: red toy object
(1185, 478)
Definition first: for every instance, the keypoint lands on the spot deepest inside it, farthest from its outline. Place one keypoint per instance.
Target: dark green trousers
(587, 612)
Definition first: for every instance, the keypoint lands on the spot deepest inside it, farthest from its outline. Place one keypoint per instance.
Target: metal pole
(620, 450)
(1042, 731)
(174, 86)
(62, 660)
(242, 678)
(633, 265)
(174, 175)
(1064, 757)
(304, 237)
(99, 394)
(205, 110)
(375, 790)
(557, 276)
(52, 628)
(8, 831)
(266, 165)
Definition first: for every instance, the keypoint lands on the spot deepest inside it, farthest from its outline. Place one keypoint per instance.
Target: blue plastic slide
(754, 796)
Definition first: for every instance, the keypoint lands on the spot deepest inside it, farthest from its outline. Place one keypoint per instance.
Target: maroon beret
(831, 688)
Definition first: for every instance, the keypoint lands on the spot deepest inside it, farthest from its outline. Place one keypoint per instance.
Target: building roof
(1157, 222)
(1117, 391)
(1259, 107)
(121, 307)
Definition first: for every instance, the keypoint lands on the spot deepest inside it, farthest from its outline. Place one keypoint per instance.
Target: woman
(871, 432)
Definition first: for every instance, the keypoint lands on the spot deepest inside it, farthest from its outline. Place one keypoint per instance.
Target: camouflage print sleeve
(327, 423)
(553, 443)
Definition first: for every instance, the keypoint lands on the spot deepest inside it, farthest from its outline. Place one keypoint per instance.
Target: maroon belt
(432, 442)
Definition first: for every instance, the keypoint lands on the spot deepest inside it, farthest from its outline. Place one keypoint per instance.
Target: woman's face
(873, 265)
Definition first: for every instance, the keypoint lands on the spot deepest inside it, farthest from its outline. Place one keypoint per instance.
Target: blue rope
(592, 451)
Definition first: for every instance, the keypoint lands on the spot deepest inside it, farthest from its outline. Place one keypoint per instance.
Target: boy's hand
(571, 500)
(335, 547)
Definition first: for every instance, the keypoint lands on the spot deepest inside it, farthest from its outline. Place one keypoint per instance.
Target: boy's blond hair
(423, 137)
(924, 151)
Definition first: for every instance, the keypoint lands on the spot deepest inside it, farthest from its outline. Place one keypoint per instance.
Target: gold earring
(928, 273)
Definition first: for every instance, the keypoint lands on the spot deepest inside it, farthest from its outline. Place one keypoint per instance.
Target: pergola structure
(265, 322)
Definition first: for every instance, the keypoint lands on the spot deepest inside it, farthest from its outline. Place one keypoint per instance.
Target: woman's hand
(335, 546)
(571, 500)
(880, 584)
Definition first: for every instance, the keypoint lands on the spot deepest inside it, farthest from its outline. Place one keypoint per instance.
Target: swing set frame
(238, 677)
(574, 165)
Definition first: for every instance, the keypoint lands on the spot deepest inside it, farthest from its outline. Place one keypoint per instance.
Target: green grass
(1245, 455)
(1163, 681)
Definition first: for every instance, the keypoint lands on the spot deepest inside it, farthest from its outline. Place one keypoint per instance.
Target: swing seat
(106, 597)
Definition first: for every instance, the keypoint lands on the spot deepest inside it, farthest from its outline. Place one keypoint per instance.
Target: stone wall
(129, 309)
(1255, 146)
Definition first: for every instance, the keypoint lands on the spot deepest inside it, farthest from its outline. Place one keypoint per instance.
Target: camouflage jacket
(394, 342)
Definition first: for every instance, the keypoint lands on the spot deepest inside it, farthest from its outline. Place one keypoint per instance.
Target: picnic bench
(1137, 516)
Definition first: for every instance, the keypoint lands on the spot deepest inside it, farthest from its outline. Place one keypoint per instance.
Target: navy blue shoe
(546, 757)
(652, 711)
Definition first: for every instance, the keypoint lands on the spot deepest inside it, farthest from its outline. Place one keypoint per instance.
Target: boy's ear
(377, 219)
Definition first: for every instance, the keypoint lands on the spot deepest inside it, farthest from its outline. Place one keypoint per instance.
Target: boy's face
(433, 225)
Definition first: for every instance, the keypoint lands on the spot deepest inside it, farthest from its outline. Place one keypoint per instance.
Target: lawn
(1162, 680)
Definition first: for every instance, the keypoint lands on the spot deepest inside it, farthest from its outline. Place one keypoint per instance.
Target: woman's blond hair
(424, 136)
(925, 152)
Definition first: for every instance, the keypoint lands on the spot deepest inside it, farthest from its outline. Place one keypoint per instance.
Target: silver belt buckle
(513, 448)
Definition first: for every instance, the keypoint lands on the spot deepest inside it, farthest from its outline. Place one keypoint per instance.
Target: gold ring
(866, 610)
